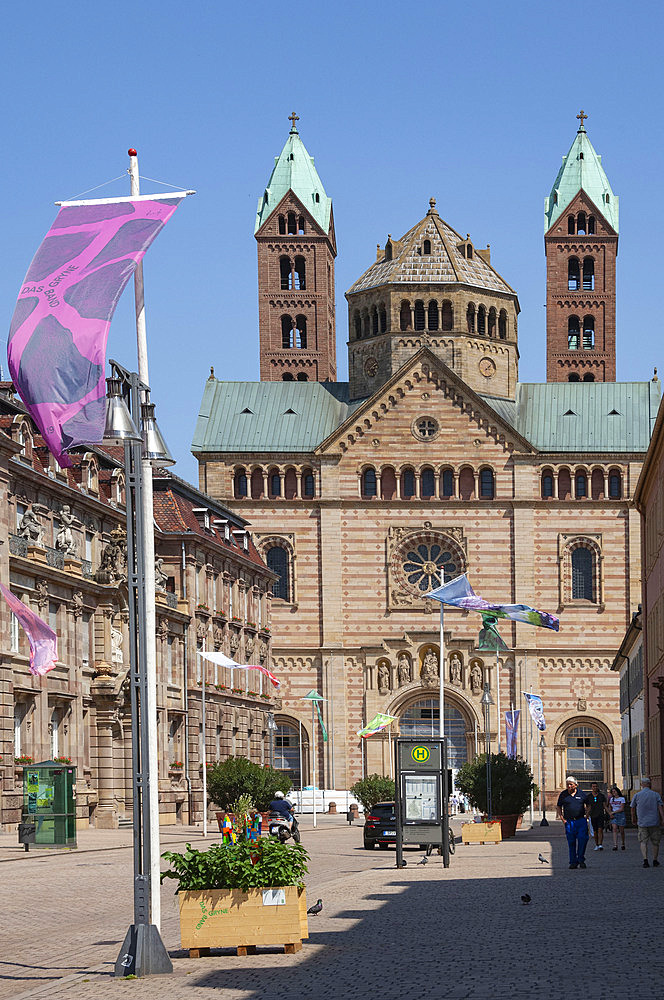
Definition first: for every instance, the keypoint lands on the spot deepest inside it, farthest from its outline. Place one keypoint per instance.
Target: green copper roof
(294, 171)
(582, 168)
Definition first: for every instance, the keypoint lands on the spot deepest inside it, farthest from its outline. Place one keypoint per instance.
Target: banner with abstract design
(225, 661)
(460, 594)
(511, 731)
(377, 724)
(57, 339)
(536, 709)
(43, 640)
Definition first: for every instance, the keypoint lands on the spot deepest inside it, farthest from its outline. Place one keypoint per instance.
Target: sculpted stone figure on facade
(429, 673)
(455, 670)
(234, 642)
(64, 540)
(160, 578)
(113, 564)
(31, 528)
(262, 653)
(249, 645)
(476, 678)
(403, 670)
(116, 645)
(383, 678)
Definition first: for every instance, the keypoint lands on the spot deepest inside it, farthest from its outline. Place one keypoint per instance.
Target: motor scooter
(282, 828)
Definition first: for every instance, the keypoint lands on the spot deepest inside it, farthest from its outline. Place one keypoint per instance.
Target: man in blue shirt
(573, 809)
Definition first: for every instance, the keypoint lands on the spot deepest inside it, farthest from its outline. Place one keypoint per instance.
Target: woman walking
(617, 816)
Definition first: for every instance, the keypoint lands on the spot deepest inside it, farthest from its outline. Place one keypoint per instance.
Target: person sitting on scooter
(280, 804)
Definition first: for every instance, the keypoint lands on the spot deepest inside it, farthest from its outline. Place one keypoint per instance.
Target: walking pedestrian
(617, 816)
(648, 814)
(597, 813)
(573, 809)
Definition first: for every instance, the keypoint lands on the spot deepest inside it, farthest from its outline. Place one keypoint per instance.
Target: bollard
(332, 808)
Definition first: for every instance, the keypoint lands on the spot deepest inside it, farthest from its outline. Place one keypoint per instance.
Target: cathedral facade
(433, 460)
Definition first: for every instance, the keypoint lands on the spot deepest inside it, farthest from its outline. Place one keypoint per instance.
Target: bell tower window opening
(419, 315)
(448, 316)
(302, 377)
(374, 321)
(470, 318)
(589, 377)
(282, 226)
(581, 224)
(287, 339)
(408, 484)
(492, 322)
(573, 333)
(292, 224)
(287, 377)
(426, 247)
(448, 484)
(299, 274)
(383, 319)
(481, 320)
(285, 273)
(571, 225)
(588, 274)
(404, 317)
(573, 377)
(432, 317)
(357, 322)
(588, 333)
(301, 332)
(300, 226)
(502, 325)
(591, 225)
(573, 276)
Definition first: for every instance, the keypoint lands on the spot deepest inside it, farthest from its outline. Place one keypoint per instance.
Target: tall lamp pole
(542, 744)
(143, 952)
(487, 702)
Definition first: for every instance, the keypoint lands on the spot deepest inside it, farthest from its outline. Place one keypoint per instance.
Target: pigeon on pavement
(542, 860)
(316, 908)
(525, 899)
(424, 861)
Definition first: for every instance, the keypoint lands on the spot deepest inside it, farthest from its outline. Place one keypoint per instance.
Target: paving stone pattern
(411, 933)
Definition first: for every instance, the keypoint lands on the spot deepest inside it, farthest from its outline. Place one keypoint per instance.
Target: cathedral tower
(296, 250)
(581, 246)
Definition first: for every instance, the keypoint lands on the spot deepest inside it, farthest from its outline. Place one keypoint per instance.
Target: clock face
(370, 366)
(487, 367)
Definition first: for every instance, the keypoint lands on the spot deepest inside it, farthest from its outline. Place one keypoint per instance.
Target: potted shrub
(511, 785)
(372, 789)
(241, 895)
(228, 779)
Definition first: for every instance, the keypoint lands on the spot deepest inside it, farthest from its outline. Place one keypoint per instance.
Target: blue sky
(474, 104)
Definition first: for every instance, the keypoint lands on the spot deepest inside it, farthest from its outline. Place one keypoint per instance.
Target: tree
(235, 776)
(511, 783)
(372, 789)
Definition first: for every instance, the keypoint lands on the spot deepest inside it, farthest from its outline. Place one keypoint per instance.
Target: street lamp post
(542, 744)
(143, 952)
(487, 702)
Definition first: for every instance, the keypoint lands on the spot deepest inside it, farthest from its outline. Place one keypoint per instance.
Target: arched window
(571, 225)
(369, 483)
(427, 484)
(308, 484)
(256, 484)
(582, 574)
(573, 333)
(404, 316)
(573, 274)
(287, 377)
(300, 274)
(564, 484)
(292, 224)
(502, 325)
(277, 560)
(357, 320)
(584, 756)
(591, 225)
(366, 323)
(470, 317)
(285, 273)
(408, 484)
(615, 485)
(481, 320)
(287, 753)
(301, 331)
(466, 484)
(597, 484)
(300, 226)
(287, 331)
(382, 313)
(290, 484)
(547, 485)
(581, 224)
(419, 315)
(589, 377)
(374, 321)
(388, 251)
(241, 485)
(302, 377)
(282, 226)
(588, 333)
(432, 318)
(581, 485)
(275, 484)
(487, 484)
(448, 317)
(426, 247)
(423, 719)
(492, 322)
(388, 483)
(588, 274)
(448, 483)
(574, 377)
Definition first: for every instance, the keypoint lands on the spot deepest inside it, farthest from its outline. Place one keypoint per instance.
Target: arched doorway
(422, 718)
(584, 755)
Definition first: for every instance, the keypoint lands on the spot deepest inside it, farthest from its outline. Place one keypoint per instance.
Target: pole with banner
(314, 697)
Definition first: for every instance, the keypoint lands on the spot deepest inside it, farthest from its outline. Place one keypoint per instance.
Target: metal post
(203, 722)
(498, 697)
(441, 669)
(313, 758)
(487, 743)
(445, 804)
(544, 821)
(532, 799)
(397, 807)
(301, 773)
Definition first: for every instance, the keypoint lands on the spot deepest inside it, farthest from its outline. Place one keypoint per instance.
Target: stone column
(104, 691)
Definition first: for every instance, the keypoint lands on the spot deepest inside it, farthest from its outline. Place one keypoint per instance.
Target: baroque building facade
(432, 460)
(64, 554)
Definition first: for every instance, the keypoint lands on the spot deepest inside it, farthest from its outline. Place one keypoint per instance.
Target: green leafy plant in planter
(264, 864)
(511, 784)
(240, 810)
(235, 776)
(372, 789)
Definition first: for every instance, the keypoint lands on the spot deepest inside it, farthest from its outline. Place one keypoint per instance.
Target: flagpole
(205, 822)
(313, 756)
(498, 695)
(149, 588)
(441, 671)
(532, 798)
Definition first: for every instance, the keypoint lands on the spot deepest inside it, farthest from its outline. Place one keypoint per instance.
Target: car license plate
(389, 833)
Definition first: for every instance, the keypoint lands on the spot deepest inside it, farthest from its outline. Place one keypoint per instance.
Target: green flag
(490, 640)
(315, 697)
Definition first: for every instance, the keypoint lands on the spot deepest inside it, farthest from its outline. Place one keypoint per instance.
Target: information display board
(421, 795)
(49, 802)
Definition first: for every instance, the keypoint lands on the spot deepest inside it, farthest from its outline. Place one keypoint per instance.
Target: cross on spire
(581, 116)
(292, 119)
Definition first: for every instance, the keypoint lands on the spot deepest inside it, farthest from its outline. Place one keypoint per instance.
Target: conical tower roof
(581, 170)
(294, 171)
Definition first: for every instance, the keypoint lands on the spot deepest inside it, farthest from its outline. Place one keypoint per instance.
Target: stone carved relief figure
(248, 645)
(383, 678)
(116, 645)
(429, 673)
(31, 528)
(234, 642)
(262, 654)
(160, 578)
(64, 540)
(403, 670)
(476, 678)
(113, 564)
(455, 670)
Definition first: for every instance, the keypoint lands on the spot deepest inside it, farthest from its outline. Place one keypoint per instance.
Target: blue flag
(511, 730)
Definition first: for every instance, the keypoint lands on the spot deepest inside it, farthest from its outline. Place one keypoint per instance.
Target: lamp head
(155, 449)
(119, 426)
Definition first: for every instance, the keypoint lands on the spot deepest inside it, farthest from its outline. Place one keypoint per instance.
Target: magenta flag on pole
(57, 339)
(43, 640)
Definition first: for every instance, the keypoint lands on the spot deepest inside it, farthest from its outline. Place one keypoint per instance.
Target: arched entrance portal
(584, 756)
(422, 718)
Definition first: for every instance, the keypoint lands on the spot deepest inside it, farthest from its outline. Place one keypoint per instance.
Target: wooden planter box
(481, 833)
(243, 919)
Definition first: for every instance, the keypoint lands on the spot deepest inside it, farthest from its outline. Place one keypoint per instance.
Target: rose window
(423, 564)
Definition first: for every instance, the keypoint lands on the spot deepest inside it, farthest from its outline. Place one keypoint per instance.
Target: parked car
(380, 826)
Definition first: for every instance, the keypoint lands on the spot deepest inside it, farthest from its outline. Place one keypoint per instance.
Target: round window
(425, 428)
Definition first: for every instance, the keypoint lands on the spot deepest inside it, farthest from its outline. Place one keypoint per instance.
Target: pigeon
(316, 908)
(525, 899)
(424, 861)
(542, 860)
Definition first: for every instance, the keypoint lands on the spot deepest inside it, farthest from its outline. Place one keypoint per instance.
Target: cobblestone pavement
(399, 934)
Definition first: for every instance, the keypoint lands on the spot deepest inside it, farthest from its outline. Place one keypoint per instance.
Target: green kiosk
(49, 805)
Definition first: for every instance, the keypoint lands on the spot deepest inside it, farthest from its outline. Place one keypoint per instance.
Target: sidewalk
(399, 934)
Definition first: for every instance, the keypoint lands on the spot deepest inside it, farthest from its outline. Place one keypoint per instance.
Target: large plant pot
(508, 824)
(481, 833)
(243, 919)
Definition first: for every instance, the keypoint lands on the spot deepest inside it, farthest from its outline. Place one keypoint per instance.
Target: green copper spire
(582, 169)
(294, 170)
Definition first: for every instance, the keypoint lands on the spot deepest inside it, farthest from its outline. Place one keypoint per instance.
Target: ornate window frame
(400, 595)
(286, 542)
(566, 545)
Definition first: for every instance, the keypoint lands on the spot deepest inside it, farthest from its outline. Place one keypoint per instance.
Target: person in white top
(617, 816)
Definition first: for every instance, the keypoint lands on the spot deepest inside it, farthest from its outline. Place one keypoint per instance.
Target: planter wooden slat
(481, 833)
(235, 918)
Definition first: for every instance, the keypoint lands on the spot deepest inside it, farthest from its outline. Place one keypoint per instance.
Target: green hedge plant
(511, 784)
(265, 864)
(372, 789)
(229, 779)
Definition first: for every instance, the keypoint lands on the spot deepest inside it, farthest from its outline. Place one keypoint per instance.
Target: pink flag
(43, 640)
(57, 339)
(263, 670)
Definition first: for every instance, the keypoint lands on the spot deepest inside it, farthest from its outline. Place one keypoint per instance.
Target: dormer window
(426, 247)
